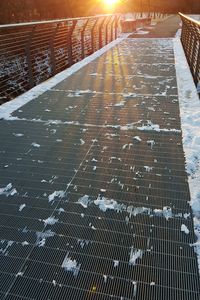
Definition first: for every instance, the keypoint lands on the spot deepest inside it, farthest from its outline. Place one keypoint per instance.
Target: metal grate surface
(93, 188)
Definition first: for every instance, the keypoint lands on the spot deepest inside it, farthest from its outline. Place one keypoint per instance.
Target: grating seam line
(140, 187)
(106, 244)
(125, 234)
(86, 272)
(177, 210)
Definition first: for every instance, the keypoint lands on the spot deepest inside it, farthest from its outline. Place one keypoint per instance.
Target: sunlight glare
(110, 2)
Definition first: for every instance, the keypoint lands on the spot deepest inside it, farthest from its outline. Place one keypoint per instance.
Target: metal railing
(33, 52)
(190, 38)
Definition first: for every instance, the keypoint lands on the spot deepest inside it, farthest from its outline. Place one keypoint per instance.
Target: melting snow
(35, 145)
(8, 190)
(155, 127)
(137, 138)
(141, 32)
(42, 236)
(104, 204)
(82, 243)
(120, 104)
(185, 229)
(50, 221)
(25, 243)
(20, 274)
(148, 169)
(127, 146)
(56, 194)
(60, 210)
(82, 141)
(22, 206)
(134, 255)
(105, 277)
(116, 263)
(151, 143)
(71, 265)
(165, 212)
(7, 244)
(18, 134)
(54, 282)
(84, 201)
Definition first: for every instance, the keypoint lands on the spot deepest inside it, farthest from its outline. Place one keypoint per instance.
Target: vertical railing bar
(28, 57)
(107, 26)
(92, 35)
(197, 70)
(70, 43)
(52, 49)
(112, 28)
(83, 39)
(100, 33)
(117, 18)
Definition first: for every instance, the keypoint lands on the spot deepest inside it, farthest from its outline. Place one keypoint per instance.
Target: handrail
(7, 26)
(30, 53)
(190, 38)
(189, 19)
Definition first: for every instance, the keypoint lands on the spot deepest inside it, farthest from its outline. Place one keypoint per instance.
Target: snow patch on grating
(50, 221)
(155, 127)
(22, 206)
(134, 255)
(185, 229)
(8, 190)
(56, 194)
(71, 265)
(190, 123)
(105, 204)
(42, 236)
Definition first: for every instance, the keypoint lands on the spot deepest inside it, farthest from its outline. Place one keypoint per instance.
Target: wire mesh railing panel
(33, 52)
(190, 39)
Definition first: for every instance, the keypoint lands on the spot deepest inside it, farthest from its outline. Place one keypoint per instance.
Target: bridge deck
(93, 188)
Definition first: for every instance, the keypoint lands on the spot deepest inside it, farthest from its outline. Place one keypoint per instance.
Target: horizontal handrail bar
(189, 19)
(7, 26)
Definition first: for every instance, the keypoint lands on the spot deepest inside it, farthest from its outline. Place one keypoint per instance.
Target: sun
(110, 2)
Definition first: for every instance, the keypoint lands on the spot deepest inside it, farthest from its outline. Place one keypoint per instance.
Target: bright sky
(110, 2)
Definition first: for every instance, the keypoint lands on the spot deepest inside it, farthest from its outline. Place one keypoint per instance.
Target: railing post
(92, 35)
(107, 25)
(100, 33)
(69, 43)
(52, 49)
(112, 29)
(83, 39)
(116, 25)
(197, 70)
(28, 58)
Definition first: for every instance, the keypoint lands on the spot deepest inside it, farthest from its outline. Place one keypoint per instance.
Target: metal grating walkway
(93, 188)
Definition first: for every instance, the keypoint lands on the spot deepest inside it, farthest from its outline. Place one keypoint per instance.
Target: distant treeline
(12, 11)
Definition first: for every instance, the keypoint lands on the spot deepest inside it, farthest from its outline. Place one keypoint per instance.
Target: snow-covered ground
(190, 123)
